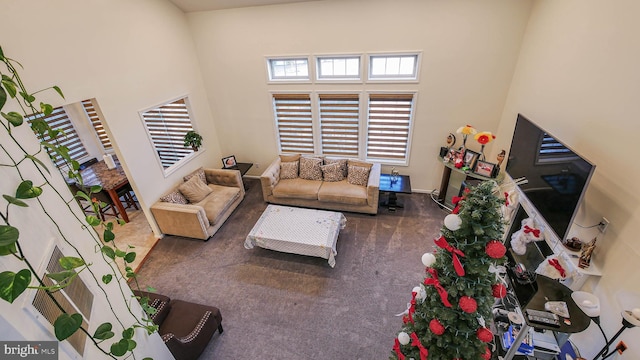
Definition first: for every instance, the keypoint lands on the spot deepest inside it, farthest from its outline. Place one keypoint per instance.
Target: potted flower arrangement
(193, 139)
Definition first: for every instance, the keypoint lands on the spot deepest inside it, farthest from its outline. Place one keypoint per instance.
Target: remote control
(543, 317)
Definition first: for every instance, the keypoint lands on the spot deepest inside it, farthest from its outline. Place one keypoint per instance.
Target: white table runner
(298, 231)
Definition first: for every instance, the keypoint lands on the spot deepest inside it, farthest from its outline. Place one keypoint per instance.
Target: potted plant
(193, 139)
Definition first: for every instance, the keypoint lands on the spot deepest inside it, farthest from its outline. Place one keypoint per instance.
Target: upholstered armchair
(186, 328)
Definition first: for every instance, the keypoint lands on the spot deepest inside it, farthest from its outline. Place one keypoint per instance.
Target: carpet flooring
(284, 306)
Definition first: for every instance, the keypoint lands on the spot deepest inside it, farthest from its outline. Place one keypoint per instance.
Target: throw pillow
(289, 170)
(354, 162)
(175, 198)
(332, 172)
(194, 189)
(342, 162)
(358, 175)
(289, 158)
(199, 173)
(310, 168)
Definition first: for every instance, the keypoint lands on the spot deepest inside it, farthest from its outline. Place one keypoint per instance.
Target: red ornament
(436, 327)
(484, 334)
(499, 291)
(495, 249)
(487, 354)
(468, 304)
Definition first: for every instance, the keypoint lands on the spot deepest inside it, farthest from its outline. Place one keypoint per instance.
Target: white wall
(129, 55)
(577, 77)
(469, 51)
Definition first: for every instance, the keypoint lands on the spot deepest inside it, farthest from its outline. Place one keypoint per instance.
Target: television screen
(557, 176)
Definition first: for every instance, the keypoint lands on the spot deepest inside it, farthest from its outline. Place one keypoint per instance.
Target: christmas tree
(446, 316)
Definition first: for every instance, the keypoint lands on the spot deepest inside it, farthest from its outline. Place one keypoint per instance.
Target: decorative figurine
(500, 157)
(444, 150)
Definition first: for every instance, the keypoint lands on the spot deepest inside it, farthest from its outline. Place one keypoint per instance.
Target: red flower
(484, 137)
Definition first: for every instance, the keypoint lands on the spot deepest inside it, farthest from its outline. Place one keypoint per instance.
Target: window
(388, 126)
(393, 67)
(294, 122)
(94, 118)
(167, 124)
(75, 298)
(58, 120)
(339, 123)
(288, 69)
(338, 68)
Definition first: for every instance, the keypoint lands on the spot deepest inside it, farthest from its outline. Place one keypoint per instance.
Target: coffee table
(402, 184)
(298, 231)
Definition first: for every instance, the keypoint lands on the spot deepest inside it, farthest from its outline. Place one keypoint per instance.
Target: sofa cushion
(218, 202)
(359, 163)
(175, 197)
(199, 172)
(332, 172)
(289, 169)
(358, 175)
(297, 188)
(342, 162)
(310, 168)
(194, 189)
(343, 192)
(289, 158)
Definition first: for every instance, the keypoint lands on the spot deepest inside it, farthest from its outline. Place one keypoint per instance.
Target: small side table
(401, 185)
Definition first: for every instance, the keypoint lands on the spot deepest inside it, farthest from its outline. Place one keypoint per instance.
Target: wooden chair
(101, 196)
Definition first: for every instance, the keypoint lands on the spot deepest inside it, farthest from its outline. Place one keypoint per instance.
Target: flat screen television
(557, 176)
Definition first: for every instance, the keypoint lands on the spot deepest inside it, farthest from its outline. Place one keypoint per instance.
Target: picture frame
(484, 168)
(229, 162)
(470, 158)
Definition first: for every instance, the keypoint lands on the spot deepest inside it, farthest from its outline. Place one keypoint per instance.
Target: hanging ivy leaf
(132, 344)
(40, 127)
(14, 201)
(127, 333)
(103, 332)
(26, 190)
(70, 262)
(8, 235)
(57, 89)
(108, 235)
(108, 252)
(62, 277)
(46, 109)
(37, 161)
(14, 118)
(13, 284)
(27, 97)
(130, 257)
(66, 325)
(8, 250)
(92, 220)
(120, 253)
(107, 278)
(120, 348)
(3, 97)
(8, 84)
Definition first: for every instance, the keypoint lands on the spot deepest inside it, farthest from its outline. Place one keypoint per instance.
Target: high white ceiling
(205, 5)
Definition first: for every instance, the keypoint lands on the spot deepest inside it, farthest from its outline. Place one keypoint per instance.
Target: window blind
(96, 122)
(389, 121)
(167, 126)
(294, 122)
(339, 117)
(58, 120)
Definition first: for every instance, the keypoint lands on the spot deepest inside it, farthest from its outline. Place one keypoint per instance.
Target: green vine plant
(27, 194)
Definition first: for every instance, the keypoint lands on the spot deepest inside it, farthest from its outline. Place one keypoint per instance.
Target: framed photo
(484, 168)
(470, 158)
(229, 162)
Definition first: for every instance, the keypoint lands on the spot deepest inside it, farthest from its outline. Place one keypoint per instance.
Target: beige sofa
(175, 215)
(330, 195)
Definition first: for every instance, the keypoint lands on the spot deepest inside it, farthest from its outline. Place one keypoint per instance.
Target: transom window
(289, 69)
(167, 125)
(389, 67)
(338, 68)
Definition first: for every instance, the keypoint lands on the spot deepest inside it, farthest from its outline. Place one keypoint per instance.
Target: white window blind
(389, 122)
(167, 125)
(96, 122)
(294, 122)
(58, 120)
(339, 118)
